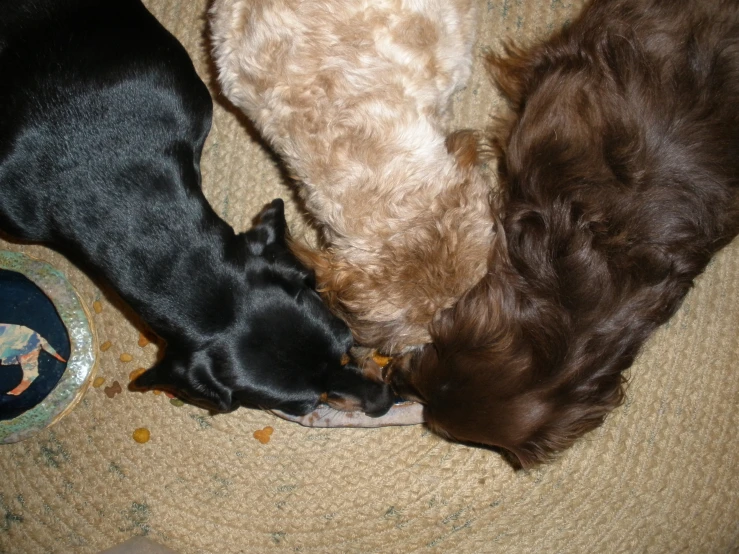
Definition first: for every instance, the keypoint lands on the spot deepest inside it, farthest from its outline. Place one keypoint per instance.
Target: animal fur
(355, 97)
(102, 123)
(621, 176)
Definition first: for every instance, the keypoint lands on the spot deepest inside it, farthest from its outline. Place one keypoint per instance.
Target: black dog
(102, 123)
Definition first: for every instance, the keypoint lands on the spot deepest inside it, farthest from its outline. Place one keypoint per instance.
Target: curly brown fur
(621, 170)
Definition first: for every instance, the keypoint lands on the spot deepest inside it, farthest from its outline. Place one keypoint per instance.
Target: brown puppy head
(619, 187)
(492, 375)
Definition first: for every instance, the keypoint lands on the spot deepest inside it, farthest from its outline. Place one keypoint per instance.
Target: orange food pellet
(107, 344)
(98, 382)
(157, 392)
(97, 306)
(135, 373)
(345, 359)
(380, 360)
(264, 435)
(141, 435)
(126, 358)
(143, 341)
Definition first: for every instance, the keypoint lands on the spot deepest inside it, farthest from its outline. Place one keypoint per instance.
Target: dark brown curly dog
(621, 170)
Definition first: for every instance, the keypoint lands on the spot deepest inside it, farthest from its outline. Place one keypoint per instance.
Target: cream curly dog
(355, 97)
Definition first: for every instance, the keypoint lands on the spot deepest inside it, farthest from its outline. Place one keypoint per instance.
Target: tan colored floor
(661, 476)
(139, 545)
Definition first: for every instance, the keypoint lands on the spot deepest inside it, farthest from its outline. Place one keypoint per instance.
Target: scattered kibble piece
(345, 359)
(97, 306)
(141, 435)
(135, 373)
(125, 358)
(176, 402)
(113, 389)
(98, 382)
(143, 341)
(157, 392)
(380, 360)
(107, 344)
(264, 435)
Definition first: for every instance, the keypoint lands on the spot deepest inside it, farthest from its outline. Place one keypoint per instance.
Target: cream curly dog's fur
(355, 97)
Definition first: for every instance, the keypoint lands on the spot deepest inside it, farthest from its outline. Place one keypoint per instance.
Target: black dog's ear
(271, 228)
(273, 221)
(193, 381)
(159, 377)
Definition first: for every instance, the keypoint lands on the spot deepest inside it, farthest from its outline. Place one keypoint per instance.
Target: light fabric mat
(662, 475)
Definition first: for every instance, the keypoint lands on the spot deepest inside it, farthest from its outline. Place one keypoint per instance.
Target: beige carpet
(662, 475)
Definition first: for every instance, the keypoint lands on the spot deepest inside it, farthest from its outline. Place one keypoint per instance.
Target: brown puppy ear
(464, 145)
(513, 71)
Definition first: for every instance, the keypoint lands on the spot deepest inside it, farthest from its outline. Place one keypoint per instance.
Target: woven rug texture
(660, 476)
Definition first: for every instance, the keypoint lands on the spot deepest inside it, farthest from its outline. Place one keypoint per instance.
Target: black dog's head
(264, 337)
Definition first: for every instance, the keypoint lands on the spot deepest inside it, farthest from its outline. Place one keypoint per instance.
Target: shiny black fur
(102, 123)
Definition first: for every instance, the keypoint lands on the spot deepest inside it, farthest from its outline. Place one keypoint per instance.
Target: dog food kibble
(263, 435)
(125, 358)
(97, 306)
(141, 435)
(135, 373)
(113, 389)
(143, 341)
(104, 347)
(98, 382)
(345, 359)
(382, 361)
(157, 392)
